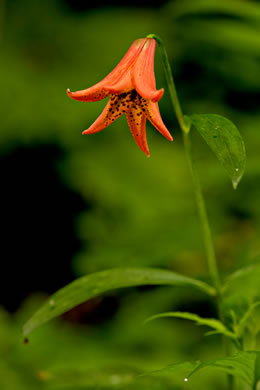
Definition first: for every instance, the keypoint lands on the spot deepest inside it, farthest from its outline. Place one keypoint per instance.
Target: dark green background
(73, 204)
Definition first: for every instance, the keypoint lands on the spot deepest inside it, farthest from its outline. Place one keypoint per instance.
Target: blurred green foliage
(143, 212)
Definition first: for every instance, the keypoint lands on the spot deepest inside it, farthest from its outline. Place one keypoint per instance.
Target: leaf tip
(235, 184)
(236, 180)
(25, 340)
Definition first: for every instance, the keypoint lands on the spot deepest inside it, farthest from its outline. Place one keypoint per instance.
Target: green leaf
(224, 139)
(246, 319)
(89, 378)
(102, 378)
(257, 371)
(241, 365)
(210, 322)
(98, 283)
(248, 277)
(240, 9)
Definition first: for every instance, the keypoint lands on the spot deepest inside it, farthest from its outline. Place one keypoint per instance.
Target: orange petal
(123, 85)
(92, 94)
(137, 126)
(124, 65)
(154, 116)
(117, 81)
(143, 73)
(108, 116)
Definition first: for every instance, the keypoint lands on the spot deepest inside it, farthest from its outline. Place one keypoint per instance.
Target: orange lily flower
(132, 90)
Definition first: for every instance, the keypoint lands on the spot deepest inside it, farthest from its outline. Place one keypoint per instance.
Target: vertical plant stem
(185, 127)
(208, 243)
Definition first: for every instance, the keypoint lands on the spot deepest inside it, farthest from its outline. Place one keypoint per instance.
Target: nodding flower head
(132, 91)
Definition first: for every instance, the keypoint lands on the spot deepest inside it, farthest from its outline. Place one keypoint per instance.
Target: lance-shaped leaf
(98, 283)
(248, 277)
(241, 365)
(224, 139)
(217, 325)
(246, 320)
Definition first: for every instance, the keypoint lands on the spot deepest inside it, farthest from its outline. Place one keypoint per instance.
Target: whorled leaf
(241, 365)
(224, 139)
(217, 325)
(92, 285)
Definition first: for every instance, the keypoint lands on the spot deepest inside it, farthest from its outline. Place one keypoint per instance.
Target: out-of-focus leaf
(224, 139)
(248, 277)
(241, 365)
(103, 378)
(257, 371)
(248, 10)
(95, 284)
(210, 322)
(224, 35)
(247, 317)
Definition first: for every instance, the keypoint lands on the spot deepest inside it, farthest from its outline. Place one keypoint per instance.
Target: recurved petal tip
(165, 133)
(91, 94)
(92, 130)
(85, 132)
(69, 93)
(157, 95)
(156, 120)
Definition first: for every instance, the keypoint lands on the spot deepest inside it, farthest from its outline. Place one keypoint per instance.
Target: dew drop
(51, 302)
(237, 169)
(185, 379)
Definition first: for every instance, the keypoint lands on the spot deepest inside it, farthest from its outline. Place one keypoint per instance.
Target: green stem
(185, 127)
(208, 243)
(170, 82)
